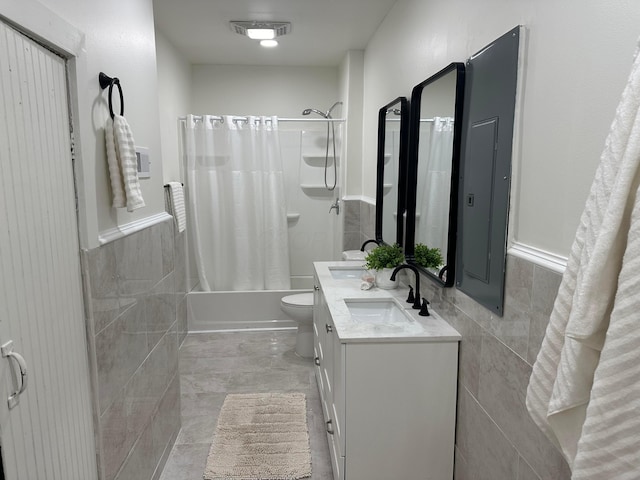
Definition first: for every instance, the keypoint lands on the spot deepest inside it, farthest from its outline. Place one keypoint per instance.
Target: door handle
(7, 352)
(330, 427)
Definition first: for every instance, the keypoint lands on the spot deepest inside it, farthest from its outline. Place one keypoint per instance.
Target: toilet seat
(300, 300)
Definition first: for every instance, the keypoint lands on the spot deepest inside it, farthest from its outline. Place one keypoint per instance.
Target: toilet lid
(353, 255)
(299, 300)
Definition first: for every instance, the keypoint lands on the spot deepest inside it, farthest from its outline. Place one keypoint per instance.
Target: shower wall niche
(314, 232)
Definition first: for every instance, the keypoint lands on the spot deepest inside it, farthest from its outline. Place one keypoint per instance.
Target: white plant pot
(383, 279)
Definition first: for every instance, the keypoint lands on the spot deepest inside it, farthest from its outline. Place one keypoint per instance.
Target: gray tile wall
(495, 436)
(182, 283)
(359, 223)
(136, 319)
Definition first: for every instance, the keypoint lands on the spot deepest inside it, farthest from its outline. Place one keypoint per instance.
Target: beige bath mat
(261, 436)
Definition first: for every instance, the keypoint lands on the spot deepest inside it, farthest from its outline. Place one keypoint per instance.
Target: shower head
(327, 115)
(330, 128)
(308, 111)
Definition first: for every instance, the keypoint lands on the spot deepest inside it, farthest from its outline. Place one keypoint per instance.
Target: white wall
(578, 56)
(259, 90)
(351, 81)
(119, 40)
(174, 97)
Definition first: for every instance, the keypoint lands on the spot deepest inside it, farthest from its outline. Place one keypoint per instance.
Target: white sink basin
(342, 273)
(384, 311)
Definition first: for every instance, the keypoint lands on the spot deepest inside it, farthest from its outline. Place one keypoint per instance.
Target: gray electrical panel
(485, 170)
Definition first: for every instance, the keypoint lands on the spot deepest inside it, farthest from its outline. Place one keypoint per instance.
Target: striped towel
(123, 164)
(115, 174)
(584, 391)
(176, 205)
(610, 439)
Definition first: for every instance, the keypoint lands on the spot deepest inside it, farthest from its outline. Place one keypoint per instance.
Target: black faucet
(416, 301)
(371, 240)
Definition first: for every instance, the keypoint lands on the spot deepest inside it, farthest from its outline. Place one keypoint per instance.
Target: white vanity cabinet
(389, 403)
(328, 358)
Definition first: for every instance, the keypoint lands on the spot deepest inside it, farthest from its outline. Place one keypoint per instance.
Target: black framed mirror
(393, 137)
(432, 173)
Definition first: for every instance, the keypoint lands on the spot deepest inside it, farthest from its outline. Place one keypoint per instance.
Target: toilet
(353, 255)
(300, 308)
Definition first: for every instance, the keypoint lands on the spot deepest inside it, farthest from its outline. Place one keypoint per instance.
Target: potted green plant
(383, 259)
(428, 257)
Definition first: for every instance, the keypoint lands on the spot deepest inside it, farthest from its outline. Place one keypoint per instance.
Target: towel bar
(107, 81)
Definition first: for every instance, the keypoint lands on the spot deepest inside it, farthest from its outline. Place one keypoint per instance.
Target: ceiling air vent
(243, 27)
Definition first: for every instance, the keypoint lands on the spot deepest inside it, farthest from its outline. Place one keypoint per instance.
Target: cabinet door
(338, 385)
(327, 334)
(317, 345)
(400, 410)
(317, 292)
(337, 460)
(320, 314)
(487, 137)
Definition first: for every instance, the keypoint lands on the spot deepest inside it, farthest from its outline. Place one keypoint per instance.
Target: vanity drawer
(317, 344)
(318, 373)
(338, 399)
(337, 460)
(326, 411)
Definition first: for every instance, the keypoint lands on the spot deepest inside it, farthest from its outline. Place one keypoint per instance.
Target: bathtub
(244, 310)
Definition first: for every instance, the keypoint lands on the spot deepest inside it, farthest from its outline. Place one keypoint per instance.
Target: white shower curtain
(237, 207)
(434, 184)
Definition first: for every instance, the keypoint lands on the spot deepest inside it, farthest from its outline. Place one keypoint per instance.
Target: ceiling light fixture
(269, 43)
(258, 30)
(261, 33)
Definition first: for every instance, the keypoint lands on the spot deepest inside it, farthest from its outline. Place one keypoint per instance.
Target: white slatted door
(49, 434)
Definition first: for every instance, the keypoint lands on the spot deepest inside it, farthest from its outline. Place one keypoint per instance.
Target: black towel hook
(107, 81)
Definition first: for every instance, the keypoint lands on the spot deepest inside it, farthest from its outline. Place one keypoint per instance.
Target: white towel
(573, 391)
(177, 205)
(123, 164)
(609, 445)
(115, 174)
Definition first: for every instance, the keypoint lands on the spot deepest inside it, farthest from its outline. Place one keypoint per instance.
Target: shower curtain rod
(425, 120)
(284, 119)
(398, 120)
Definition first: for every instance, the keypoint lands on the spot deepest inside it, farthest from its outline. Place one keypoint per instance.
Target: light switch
(144, 164)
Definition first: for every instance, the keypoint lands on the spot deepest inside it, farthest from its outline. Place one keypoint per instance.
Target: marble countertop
(415, 329)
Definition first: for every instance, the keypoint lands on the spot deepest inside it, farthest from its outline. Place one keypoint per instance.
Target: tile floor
(214, 364)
